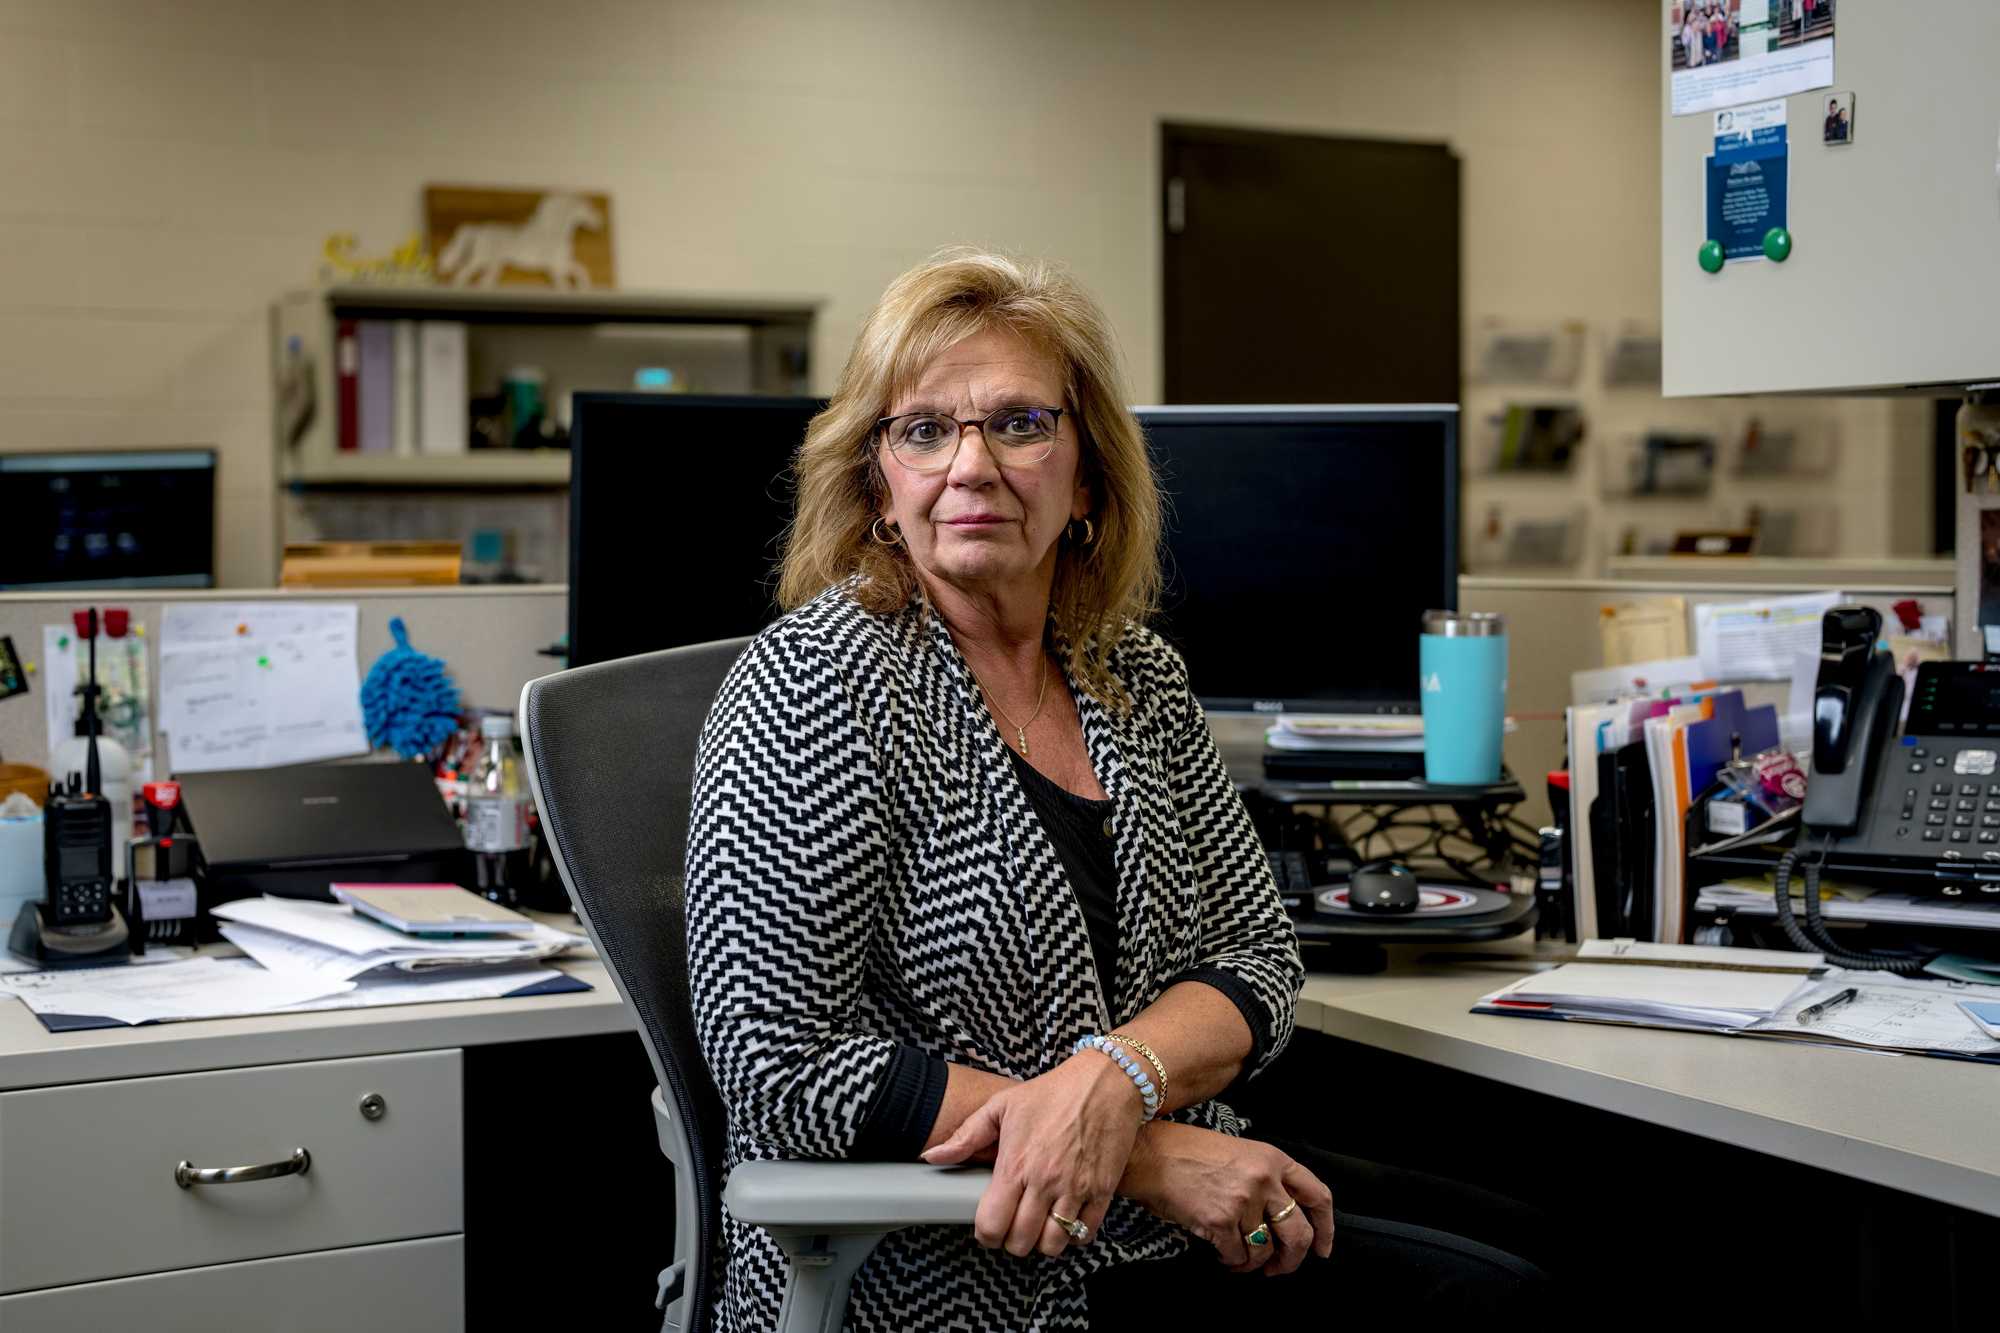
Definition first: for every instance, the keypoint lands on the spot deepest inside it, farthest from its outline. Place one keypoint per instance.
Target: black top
(1082, 832)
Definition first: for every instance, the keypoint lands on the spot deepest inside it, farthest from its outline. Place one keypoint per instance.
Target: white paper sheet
(1892, 1013)
(258, 684)
(1760, 640)
(1769, 58)
(404, 988)
(197, 988)
(1636, 679)
(336, 927)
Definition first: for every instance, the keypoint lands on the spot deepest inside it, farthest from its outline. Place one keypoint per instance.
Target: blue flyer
(1746, 178)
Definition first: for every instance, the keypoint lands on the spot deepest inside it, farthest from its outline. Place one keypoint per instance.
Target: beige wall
(166, 168)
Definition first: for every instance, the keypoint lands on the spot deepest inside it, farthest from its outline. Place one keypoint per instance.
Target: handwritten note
(258, 684)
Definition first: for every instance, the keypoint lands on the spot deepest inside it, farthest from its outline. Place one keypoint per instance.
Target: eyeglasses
(928, 441)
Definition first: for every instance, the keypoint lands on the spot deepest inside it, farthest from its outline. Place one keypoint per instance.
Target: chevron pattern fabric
(865, 871)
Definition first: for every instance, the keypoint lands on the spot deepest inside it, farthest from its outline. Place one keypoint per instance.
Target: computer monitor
(1303, 546)
(108, 519)
(677, 504)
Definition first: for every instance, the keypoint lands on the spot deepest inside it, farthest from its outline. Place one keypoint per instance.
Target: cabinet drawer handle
(187, 1175)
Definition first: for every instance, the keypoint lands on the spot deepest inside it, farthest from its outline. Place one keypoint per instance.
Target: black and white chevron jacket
(865, 871)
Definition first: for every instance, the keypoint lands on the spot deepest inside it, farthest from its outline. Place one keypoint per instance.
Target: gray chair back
(611, 750)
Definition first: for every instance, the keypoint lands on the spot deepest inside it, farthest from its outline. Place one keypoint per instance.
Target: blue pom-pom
(408, 700)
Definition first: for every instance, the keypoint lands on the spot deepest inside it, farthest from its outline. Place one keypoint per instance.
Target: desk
(1920, 1125)
(425, 1217)
(516, 1075)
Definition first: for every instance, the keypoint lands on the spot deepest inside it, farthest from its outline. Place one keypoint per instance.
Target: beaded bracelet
(1159, 1069)
(1141, 1079)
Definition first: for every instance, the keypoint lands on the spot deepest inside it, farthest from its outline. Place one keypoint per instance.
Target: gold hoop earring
(877, 528)
(1089, 532)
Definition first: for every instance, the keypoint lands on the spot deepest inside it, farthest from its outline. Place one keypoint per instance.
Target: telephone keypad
(1934, 820)
(1960, 835)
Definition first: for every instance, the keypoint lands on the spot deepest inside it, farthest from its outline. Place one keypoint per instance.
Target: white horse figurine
(542, 244)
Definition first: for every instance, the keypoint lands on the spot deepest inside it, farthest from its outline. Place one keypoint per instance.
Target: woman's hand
(1063, 1141)
(1223, 1188)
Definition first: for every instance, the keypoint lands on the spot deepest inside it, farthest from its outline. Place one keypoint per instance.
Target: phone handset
(1855, 705)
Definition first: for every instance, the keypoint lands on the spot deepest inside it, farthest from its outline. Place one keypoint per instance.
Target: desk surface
(1921, 1125)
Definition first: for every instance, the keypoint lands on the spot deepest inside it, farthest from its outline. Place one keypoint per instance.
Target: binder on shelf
(377, 386)
(347, 374)
(403, 398)
(444, 423)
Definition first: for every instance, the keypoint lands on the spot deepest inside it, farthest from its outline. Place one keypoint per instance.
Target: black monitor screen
(108, 520)
(1303, 547)
(677, 504)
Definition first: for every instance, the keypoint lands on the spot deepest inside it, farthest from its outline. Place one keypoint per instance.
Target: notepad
(1675, 985)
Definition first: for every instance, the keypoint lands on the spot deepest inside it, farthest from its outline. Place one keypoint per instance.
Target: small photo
(1704, 32)
(1839, 118)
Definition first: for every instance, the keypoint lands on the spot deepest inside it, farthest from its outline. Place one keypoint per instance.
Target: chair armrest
(861, 1196)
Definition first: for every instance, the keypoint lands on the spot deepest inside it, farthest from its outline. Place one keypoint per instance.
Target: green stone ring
(1261, 1236)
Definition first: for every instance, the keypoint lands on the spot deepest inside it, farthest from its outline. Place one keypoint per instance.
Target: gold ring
(1261, 1236)
(1284, 1212)
(1072, 1228)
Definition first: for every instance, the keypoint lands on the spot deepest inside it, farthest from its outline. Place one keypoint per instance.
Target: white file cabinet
(325, 1194)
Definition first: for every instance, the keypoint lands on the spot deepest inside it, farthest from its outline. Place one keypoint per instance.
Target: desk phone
(1937, 792)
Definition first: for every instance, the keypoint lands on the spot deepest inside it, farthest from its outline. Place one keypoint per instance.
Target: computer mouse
(1383, 886)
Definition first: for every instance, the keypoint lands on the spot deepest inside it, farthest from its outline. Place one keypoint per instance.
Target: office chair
(610, 759)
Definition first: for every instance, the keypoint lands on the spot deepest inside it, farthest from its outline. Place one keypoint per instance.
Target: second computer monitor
(1303, 546)
(678, 504)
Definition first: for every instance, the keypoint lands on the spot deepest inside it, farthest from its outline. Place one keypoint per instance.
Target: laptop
(294, 831)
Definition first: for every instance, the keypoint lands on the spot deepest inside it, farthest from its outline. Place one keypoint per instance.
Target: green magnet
(1710, 256)
(1777, 245)
(263, 661)
(63, 642)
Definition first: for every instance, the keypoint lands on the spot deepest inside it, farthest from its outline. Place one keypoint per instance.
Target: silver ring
(1072, 1228)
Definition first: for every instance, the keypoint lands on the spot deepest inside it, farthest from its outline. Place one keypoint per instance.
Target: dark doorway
(1306, 269)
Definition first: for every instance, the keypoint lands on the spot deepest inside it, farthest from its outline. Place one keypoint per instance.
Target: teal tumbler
(1462, 662)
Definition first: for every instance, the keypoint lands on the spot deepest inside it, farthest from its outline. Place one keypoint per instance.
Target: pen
(1812, 1011)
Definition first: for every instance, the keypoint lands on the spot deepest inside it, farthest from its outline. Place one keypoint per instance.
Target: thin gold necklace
(1020, 728)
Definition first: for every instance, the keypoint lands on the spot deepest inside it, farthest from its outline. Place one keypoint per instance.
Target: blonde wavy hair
(1101, 589)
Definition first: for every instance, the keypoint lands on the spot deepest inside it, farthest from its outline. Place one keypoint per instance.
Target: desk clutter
(337, 884)
(300, 956)
(1753, 993)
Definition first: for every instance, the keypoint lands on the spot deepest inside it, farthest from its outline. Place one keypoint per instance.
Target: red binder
(347, 372)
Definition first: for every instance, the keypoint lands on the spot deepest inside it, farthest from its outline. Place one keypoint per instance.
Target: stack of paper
(327, 940)
(1848, 902)
(1346, 733)
(1660, 985)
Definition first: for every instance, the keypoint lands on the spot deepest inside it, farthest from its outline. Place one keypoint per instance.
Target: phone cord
(1813, 938)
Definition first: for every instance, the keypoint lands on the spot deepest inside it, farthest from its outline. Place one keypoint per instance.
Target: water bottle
(496, 813)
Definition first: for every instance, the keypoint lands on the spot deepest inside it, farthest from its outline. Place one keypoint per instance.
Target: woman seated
(967, 878)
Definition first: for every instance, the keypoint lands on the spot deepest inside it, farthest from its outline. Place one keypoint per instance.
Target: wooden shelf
(472, 470)
(541, 305)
